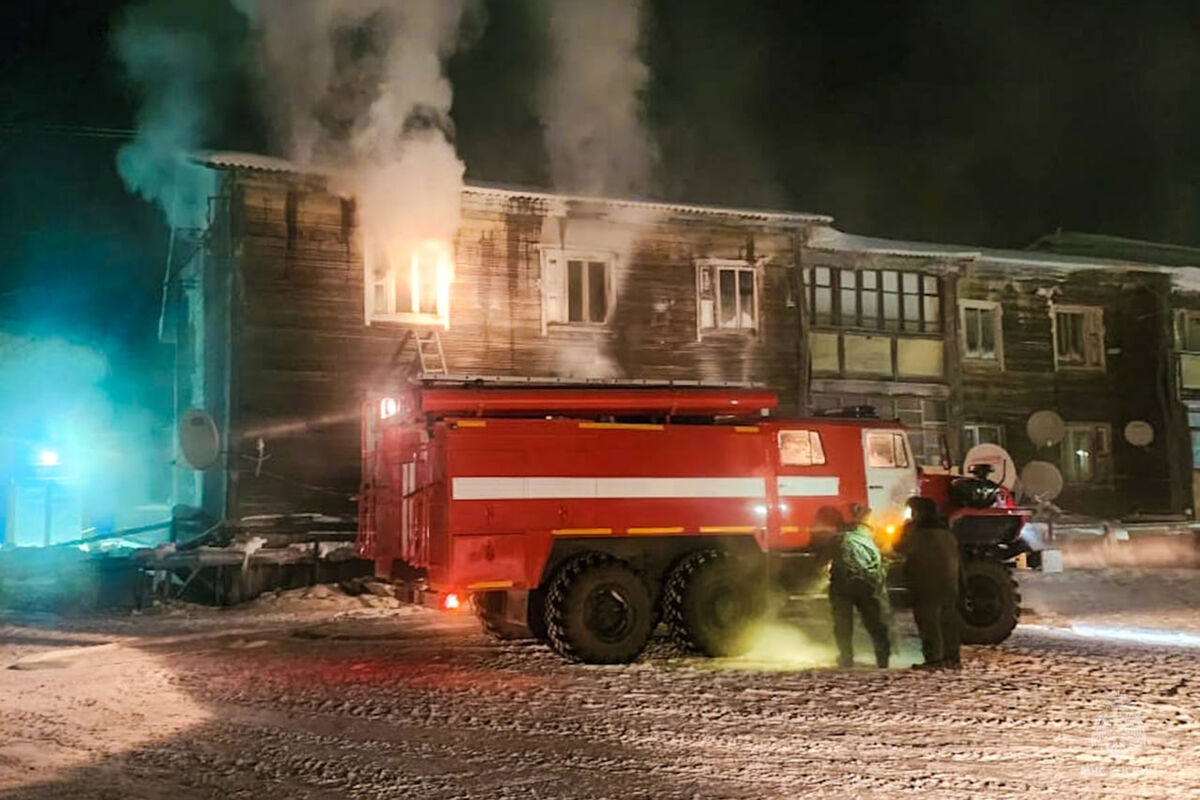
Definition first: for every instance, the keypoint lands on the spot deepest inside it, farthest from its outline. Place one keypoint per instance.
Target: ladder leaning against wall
(431, 359)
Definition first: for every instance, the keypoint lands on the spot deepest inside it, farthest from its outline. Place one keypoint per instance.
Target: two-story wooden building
(285, 318)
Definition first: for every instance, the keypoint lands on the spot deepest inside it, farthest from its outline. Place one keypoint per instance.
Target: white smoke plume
(170, 56)
(359, 88)
(590, 99)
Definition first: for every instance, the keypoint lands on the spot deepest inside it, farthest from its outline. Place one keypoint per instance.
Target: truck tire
(712, 603)
(490, 608)
(990, 604)
(598, 611)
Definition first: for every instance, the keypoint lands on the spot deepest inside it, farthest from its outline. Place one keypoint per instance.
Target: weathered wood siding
(1134, 385)
(306, 358)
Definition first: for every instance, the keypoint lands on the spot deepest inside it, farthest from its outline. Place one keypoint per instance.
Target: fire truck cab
(584, 515)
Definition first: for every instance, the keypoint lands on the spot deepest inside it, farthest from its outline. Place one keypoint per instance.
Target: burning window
(801, 449)
(981, 330)
(1079, 336)
(410, 284)
(577, 287)
(728, 295)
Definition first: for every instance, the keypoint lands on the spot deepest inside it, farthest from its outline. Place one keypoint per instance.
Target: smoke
(176, 54)
(590, 99)
(66, 398)
(358, 87)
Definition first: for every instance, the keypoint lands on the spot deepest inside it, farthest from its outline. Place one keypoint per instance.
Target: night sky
(971, 122)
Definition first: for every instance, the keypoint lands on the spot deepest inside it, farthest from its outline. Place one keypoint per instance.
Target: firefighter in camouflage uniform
(857, 580)
(933, 573)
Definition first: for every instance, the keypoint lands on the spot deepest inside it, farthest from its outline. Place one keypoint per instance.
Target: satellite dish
(199, 439)
(1041, 479)
(1139, 433)
(1004, 471)
(1045, 428)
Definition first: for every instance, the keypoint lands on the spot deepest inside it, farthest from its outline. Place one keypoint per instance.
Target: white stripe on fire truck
(611, 488)
(808, 485)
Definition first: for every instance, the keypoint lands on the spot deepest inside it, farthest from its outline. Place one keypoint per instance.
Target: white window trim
(983, 305)
(440, 317)
(727, 263)
(554, 260)
(1095, 311)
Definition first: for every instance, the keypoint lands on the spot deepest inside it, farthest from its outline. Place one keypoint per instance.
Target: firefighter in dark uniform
(932, 572)
(857, 579)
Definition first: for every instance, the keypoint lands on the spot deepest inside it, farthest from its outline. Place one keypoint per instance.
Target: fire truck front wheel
(712, 603)
(599, 611)
(990, 604)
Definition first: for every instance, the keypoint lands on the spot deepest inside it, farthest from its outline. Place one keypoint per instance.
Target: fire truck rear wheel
(598, 610)
(990, 604)
(490, 609)
(711, 604)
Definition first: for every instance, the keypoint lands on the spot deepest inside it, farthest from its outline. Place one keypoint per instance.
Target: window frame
(712, 293)
(899, 281)
(970, 431)
(555, 287)
(814, 438)
(1183, 319)
(1101, 454)
(997, 311)
(1092, 325)
(440, 315)
(897, 438)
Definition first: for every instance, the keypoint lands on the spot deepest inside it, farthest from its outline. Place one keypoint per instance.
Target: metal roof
(261, 163)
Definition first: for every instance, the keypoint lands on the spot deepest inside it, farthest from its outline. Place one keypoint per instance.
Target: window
(875, 299)
(886, 450)
(925, 419)
(800, 448)
(981, 331)
(728, 296)
(1187, 331)
(1194, 426)
(410, 284)
(1078, 337)
(821, 281)
(982, 433)
(576, 287)
(1087, 453)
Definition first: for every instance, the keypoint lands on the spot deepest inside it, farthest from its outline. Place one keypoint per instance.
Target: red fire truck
(585, 515)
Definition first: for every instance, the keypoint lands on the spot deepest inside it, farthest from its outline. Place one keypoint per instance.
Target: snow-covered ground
(311, 697)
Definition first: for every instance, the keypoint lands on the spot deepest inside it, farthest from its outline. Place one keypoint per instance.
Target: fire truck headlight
(387, 408)
(451, 602)
(761, 510)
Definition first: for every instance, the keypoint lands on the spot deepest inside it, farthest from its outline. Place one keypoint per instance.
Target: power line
(60, 129)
